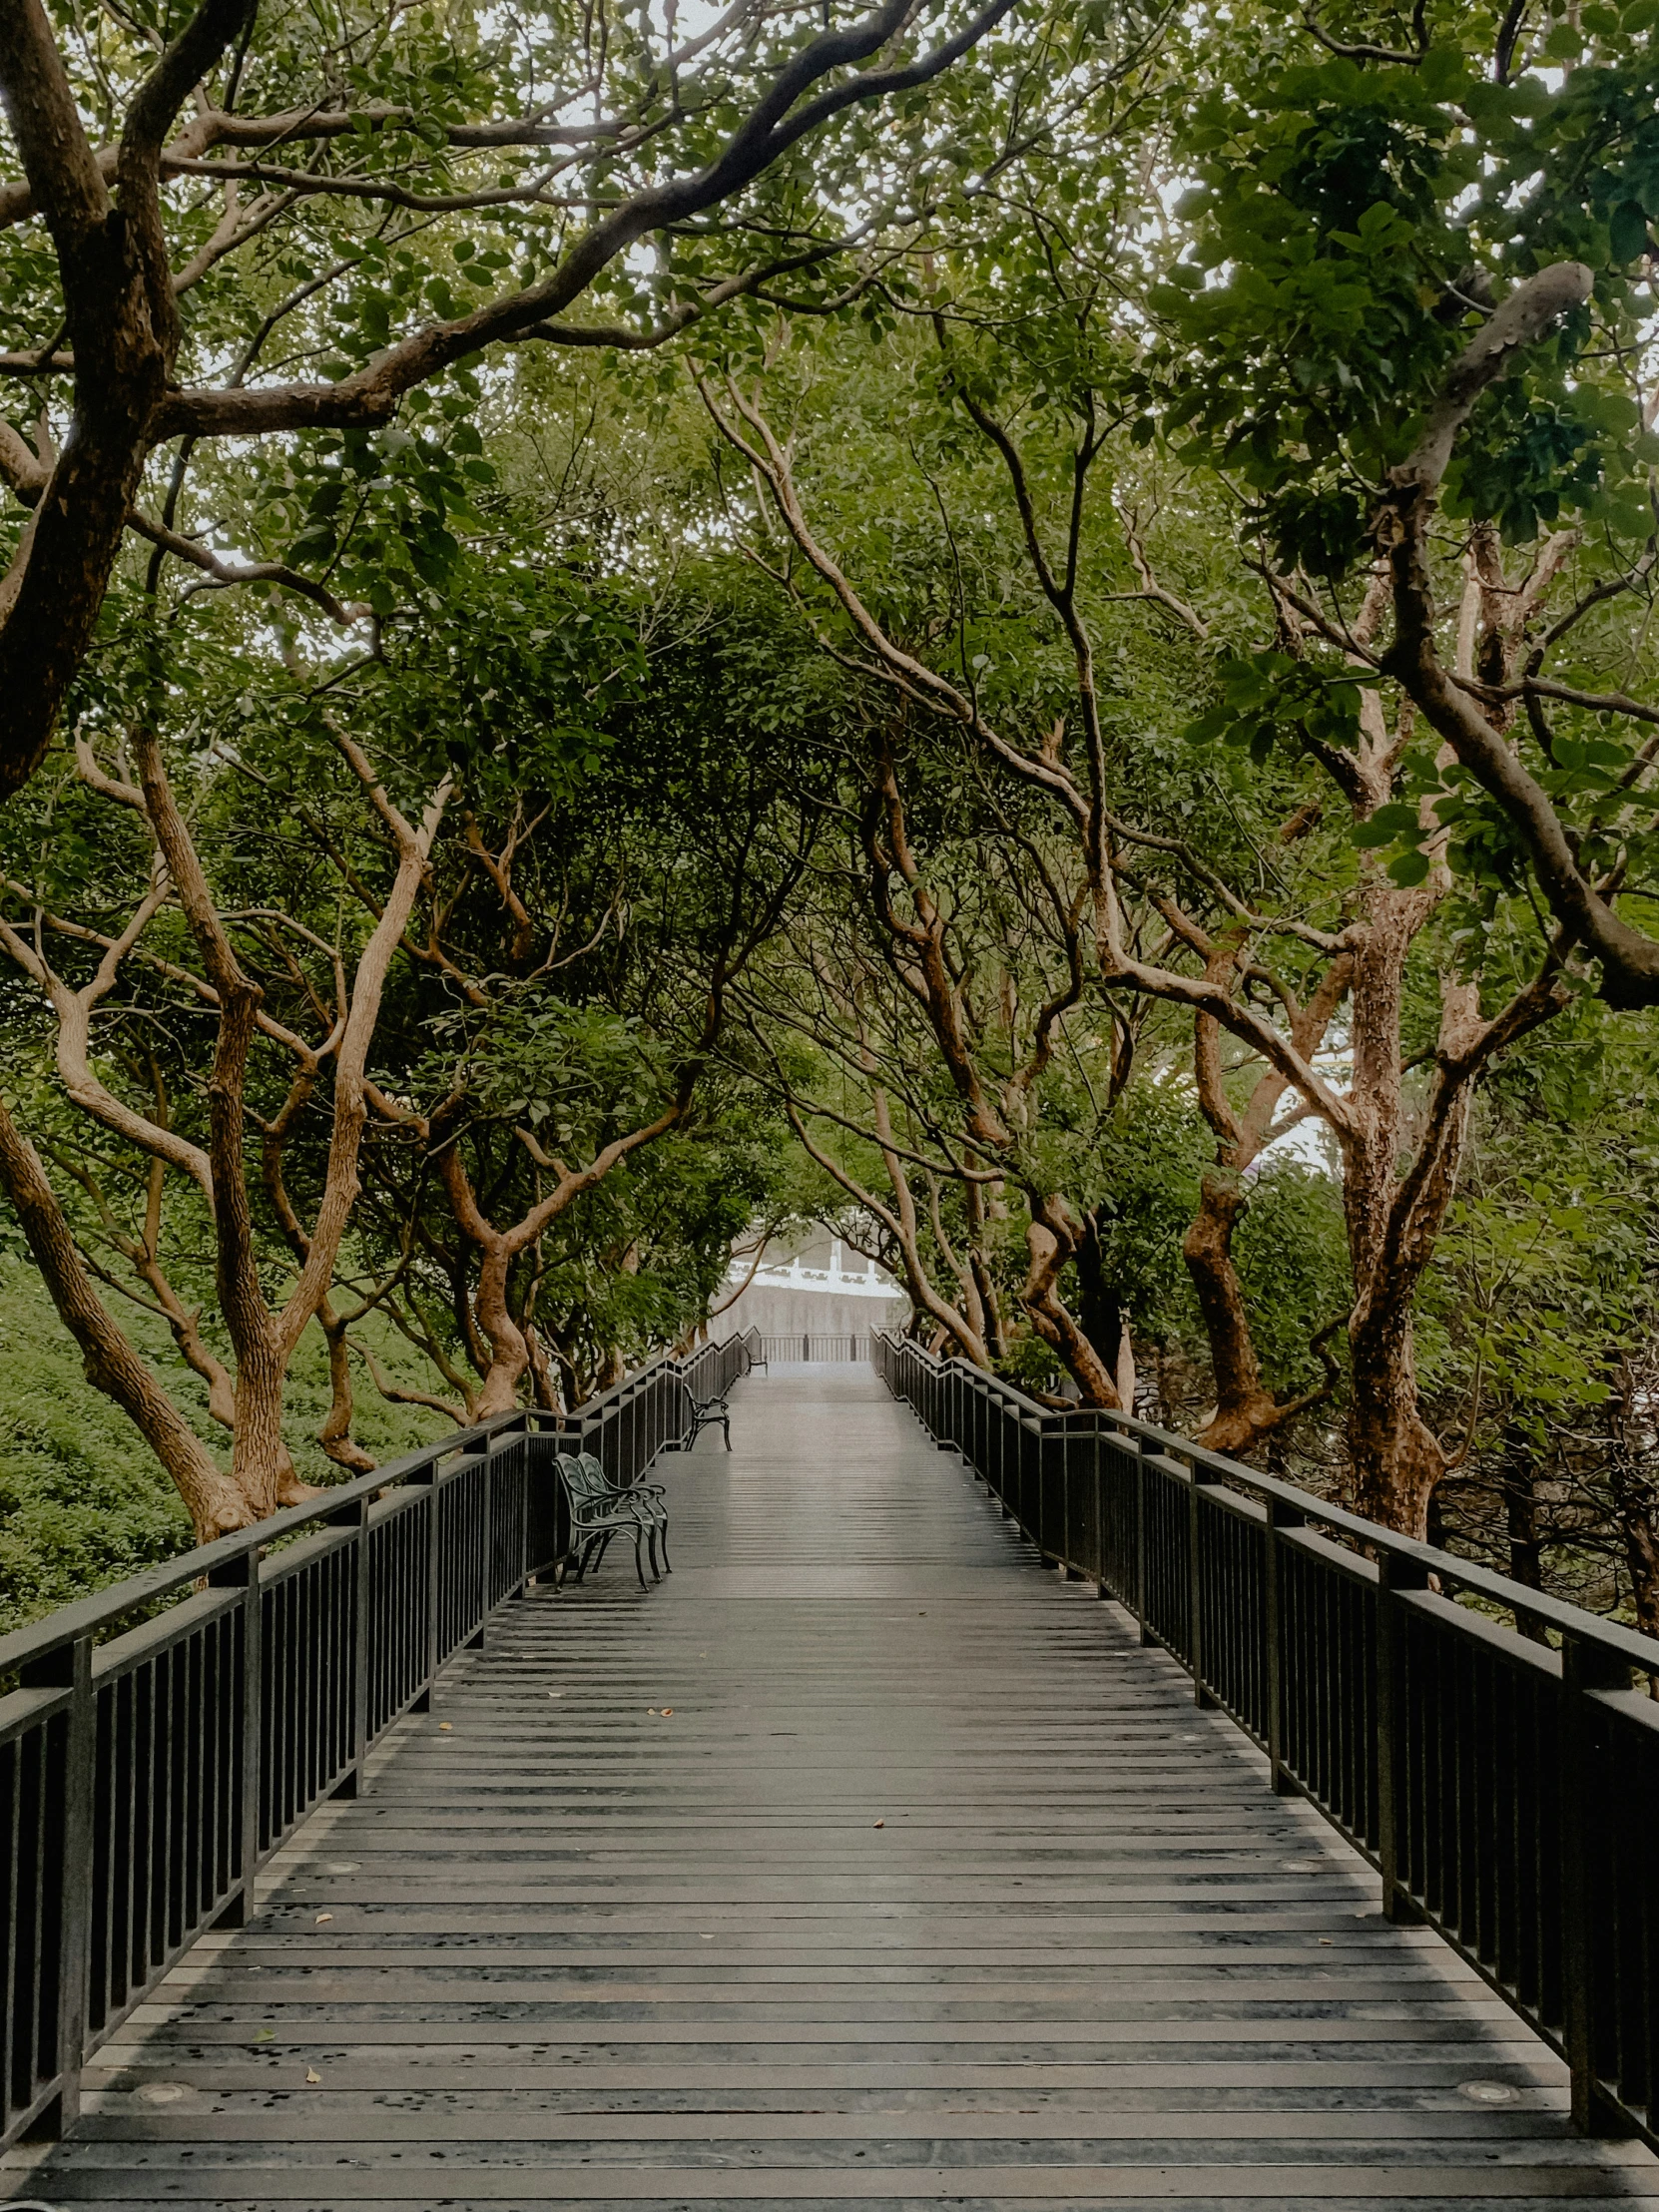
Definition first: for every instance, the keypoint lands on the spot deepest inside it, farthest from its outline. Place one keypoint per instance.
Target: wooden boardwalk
(864, 1861)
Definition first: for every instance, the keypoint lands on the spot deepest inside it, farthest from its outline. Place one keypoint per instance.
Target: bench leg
(639, 1563)
(726, 1423)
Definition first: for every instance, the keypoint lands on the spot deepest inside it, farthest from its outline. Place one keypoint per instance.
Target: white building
(821, 1291)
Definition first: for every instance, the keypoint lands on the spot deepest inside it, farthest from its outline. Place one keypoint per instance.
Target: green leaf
(1628, 231)
(1208, 727)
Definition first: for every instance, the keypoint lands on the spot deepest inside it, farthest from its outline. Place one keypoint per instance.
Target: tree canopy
(1021, 631)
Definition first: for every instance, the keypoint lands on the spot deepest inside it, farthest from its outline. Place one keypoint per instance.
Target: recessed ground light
(1301, 1866)
(1488, 2092)
(342, 1866)
(163, 2092)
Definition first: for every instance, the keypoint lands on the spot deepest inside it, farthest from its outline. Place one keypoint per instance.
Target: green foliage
(1292, 1255)
(1269, 699)
(81, 1506)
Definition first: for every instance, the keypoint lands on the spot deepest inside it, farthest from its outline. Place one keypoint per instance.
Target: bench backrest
(585, 1481)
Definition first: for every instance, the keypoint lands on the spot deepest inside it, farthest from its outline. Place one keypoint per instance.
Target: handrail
(147, 1772)
(1506, 1792)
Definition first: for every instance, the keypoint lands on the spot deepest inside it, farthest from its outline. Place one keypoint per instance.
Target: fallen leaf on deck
(312, 2076)
(668, 1713)
(446, 1726)
(880, 1824)
(321, 1916)
(265, 2035)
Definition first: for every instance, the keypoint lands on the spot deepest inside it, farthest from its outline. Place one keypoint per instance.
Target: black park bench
(601, 1509)
(708, 1413)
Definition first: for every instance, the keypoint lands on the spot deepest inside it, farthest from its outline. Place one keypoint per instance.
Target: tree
(326, 158)
(1413, 295)
(337, 989)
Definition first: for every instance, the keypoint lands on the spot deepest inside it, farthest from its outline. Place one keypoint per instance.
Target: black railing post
(434, 1584)
(1273, 1633)
(1097, 1463)
(1147, 1450)
(244, 1574)
(486, 1549)
(355, 1517)
(1585, 1970)
(1395, 1575)
(1195, 1586)
(69, 1667)
(1042, 1534)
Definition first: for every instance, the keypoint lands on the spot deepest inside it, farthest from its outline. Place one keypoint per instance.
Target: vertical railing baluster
(1194, 1587)
(1147, 1449)
(1585, 1972)
(428, 1476)
(1280, 1518)
(355, 1516)
(486, 1541)
(55, 2015)
(1097, 1478)
(1393, 1745)
(244, 1574)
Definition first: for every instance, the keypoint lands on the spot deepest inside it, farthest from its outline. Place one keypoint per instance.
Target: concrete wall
(777, 1311)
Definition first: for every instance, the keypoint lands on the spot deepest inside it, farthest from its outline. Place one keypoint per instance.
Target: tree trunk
(1396, 1458)
(1246, 1411)
(1520, 1514)
(543, 1380)
(1099, 1313)
(1397, 1461)
(996, 1339)
(1641, 1550)
(214, 1502)
(1050, 1239)
(260, 1463)
(335, 1434)
(509, 1354)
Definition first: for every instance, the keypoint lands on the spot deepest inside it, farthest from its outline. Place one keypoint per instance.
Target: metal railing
(147, 1774)
(1505, 1789)
(844, 1351)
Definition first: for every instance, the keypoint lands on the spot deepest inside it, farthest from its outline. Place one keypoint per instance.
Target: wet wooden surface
(865, 1860)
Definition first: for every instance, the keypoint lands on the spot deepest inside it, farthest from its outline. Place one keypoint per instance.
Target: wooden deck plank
(574, 1948)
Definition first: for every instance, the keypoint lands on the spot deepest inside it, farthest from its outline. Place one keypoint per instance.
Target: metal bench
(601, 1509)
(706, 1412)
